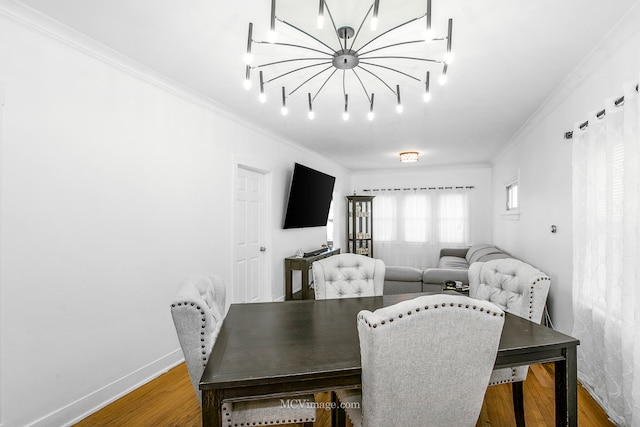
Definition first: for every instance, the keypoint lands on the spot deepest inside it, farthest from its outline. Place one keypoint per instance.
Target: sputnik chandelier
(366, 65)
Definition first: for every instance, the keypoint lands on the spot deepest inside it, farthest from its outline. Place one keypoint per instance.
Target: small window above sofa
(512, 198)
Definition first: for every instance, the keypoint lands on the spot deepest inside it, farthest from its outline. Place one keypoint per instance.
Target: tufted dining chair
(518, 288)
(413, 378)
(198, 312)
(348, 276)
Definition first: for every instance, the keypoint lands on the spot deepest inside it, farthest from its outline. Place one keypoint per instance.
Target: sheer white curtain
(410, 227)
(606, 257)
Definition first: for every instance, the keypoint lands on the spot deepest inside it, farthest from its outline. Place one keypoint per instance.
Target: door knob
(262, 249)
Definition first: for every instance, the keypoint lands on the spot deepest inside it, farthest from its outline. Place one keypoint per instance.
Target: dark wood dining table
(282, 349)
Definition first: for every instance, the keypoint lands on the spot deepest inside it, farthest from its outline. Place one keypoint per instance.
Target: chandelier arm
(377, 77)
(366, 15)
(362, 84)
(309, 79)
(308, 35)
(288, 60)
(391, 45)
(344, 86)
(404, 57)
(323, 84)
(293, 71)
(335, 29)
(392, 69)
(389, 30)
(295, 45)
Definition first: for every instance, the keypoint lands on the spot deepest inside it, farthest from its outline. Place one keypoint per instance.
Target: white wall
(114, 186)
(543, 158)
(478, 176)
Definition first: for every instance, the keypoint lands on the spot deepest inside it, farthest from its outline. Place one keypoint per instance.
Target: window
(416, 219)
(512, 198)
(384, 218)
(421, 217)
(452, 218)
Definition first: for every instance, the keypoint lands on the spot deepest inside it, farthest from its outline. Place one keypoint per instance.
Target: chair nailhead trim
(382, 322)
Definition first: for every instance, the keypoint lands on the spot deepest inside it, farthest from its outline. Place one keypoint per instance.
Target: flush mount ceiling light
(363, 60)
(409, 156)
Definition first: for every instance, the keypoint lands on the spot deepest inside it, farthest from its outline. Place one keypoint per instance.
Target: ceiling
(510, 55)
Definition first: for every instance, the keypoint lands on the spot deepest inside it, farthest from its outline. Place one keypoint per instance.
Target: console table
(303, 264)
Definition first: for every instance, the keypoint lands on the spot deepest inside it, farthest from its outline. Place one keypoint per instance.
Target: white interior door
(250, 247)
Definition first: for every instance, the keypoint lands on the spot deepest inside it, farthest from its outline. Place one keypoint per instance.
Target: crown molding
(626, 28)
(55, 30)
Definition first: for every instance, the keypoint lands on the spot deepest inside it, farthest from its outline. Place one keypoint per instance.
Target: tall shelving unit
(360, 225)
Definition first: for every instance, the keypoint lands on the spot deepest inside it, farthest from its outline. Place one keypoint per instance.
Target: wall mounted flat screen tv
(310, 197)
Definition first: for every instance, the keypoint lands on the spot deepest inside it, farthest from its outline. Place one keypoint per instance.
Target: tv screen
(309, 198)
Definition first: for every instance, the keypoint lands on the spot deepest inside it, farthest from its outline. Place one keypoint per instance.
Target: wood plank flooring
(169, 400)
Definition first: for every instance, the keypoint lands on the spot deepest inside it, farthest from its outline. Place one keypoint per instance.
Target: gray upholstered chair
(417, 364)
(198, 312)
(520, 289)
(348, 276)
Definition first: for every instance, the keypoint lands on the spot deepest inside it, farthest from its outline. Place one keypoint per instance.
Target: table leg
(288, 285)
(305, 283)
(211, 408)
(567, 389)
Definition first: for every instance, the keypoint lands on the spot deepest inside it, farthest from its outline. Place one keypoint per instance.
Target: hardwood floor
(169, 400)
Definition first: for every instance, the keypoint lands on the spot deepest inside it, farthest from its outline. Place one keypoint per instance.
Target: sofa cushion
(392, 287)
(481, 253)
(499, 255)
(473, 249)
(441, 275)
(453, 262)
(402, 274)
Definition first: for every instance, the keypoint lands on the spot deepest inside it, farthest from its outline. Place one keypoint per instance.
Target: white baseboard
(87, 405)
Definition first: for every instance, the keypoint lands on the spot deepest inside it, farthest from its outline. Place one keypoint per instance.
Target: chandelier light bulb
(448, 57)
(248, 58)
(370, 115)
(429, 36)
(443, 79)
(284, 111)
(263, 98)
(311, 115)
(345, 116)
(374, 23)
(273, 36)
(321, 15)
(374, 16)
(399, 107)
(426, 97)
(247, 84)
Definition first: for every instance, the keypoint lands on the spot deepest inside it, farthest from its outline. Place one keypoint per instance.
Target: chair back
(427, 361)
(348, 276)
(198, 312)
(512, 285)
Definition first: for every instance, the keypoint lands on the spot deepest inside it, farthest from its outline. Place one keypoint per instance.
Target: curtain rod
(464, 187)
(600, 114)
